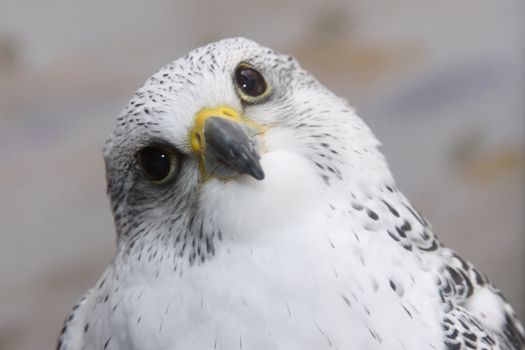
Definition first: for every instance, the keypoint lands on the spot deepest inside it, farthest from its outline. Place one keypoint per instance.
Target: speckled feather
(325, 252)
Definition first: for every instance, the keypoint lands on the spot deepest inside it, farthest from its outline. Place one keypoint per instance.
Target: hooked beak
(226, 143)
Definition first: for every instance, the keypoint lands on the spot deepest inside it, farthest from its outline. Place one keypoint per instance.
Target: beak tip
(259, 176)
(256, 172)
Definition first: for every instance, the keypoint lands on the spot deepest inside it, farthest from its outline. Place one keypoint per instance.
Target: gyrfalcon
(253, 210)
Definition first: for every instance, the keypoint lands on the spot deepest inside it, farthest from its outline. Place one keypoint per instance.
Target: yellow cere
(197, 133)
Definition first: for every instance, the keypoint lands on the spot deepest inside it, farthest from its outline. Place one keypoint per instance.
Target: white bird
(254, 210)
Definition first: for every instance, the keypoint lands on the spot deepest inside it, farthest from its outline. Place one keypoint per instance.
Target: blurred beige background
(442, 84)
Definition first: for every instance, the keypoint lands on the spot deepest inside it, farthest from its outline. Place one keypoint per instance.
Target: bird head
(231, 137)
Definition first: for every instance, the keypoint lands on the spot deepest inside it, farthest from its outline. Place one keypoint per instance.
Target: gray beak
(228, 150)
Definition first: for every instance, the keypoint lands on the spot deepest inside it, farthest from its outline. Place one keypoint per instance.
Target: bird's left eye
(250, 83)
(157, 163)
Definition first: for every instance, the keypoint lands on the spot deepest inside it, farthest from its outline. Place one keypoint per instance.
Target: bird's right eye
(158, 163)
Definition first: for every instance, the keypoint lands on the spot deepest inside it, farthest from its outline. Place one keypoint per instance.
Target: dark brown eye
(157, 163)
(250, 83)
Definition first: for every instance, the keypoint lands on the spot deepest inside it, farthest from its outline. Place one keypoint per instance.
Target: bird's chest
(312, 287)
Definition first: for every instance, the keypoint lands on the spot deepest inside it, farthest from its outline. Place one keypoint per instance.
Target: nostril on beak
(198, 140)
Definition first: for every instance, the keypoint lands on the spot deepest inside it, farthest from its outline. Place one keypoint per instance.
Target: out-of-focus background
(442, 84)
